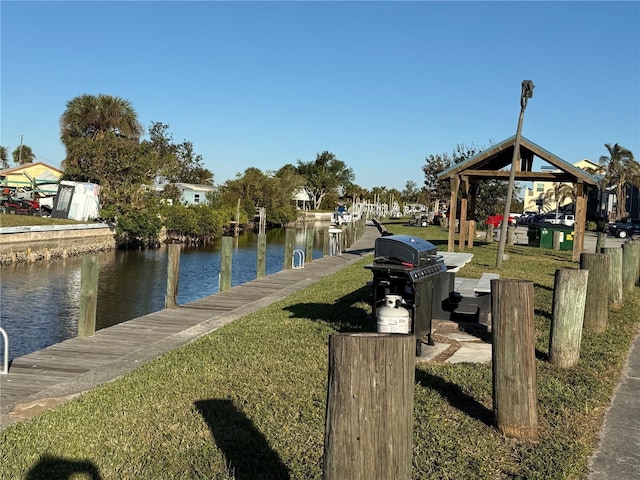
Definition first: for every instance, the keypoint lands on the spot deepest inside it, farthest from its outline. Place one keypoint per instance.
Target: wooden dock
(51, 376)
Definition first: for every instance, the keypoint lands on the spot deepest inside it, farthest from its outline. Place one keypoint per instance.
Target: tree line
(137, 172)
(106, 144)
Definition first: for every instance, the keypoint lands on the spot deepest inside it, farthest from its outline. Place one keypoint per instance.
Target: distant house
(193, 194)
(302, 196)
(32, 177)
(540, 198)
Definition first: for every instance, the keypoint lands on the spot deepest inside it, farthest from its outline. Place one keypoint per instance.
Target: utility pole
(527, 92)
(20, 152)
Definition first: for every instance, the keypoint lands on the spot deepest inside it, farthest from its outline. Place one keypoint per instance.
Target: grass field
(248, 401)
(7, 220)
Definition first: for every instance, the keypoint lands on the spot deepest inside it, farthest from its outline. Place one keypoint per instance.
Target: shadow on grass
(543, 313)
(342, 315)
(245, 448)
(58, 468)
(456, 397)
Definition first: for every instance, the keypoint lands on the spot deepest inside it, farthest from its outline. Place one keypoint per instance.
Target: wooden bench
(484, 284)
(483, 293)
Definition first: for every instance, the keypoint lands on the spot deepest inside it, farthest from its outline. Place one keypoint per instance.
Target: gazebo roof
(491, 163)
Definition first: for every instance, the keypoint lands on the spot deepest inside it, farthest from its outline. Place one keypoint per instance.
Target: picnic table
(454, 261)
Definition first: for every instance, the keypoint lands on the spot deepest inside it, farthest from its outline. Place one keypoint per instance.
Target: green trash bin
(567, 241)
(546, 236)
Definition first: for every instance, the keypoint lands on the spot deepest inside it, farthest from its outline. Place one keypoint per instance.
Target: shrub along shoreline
(248, 400)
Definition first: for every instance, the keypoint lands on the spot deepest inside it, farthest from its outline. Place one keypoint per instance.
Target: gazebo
(490, 164)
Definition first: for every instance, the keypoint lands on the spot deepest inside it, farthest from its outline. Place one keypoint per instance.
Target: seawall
(32, 243)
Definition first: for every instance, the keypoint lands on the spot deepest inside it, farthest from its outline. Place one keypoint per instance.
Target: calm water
(40, 303)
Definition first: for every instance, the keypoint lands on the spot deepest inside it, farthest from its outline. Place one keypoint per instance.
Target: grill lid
(405, 250)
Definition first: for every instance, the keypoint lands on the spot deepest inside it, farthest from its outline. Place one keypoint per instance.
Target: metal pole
(527, 92)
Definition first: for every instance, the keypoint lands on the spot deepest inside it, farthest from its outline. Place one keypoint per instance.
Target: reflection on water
(40, 303)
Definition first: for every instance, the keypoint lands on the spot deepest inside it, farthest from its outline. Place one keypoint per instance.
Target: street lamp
(527, 93)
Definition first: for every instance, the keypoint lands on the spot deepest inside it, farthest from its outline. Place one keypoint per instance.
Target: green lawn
(248, 401)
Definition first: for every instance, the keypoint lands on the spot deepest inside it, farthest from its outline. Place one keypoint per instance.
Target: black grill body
(408, 266)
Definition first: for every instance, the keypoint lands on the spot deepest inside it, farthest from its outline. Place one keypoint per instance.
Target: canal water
(40, 302)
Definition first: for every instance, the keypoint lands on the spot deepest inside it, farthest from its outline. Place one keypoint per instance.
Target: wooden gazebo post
(453, 212)
(462, 236)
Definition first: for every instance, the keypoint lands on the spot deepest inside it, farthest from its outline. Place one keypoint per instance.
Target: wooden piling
(173, 274)
(513, 354)
(615, 275)
(261, 265)
(369, 416)
(489, 237)
(88, 296)
(471, 236)
(511, 234)
(289, 244)
(569, 295)
(343, 238)
(325, 241)
(226, 256)
(557, 239)
(601, 241)
(596, 311)
(630, 262)
(308, 249)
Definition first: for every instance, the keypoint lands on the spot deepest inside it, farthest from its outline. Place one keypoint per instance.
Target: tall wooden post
(557, 236)
(453, 213)
(514, 363)
(308, 249)
(569, 295)
(463, 224)
(579, 226)
(261, 269)
(615, 275)
(236, 231)
(596, 311)
(289, 243)
(173, 275)
(369, 417)
(630, 263)
(88, 296)
(226, 256)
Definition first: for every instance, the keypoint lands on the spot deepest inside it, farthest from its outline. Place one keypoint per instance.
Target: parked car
(624, 229)
(496, 220)
(563, 219)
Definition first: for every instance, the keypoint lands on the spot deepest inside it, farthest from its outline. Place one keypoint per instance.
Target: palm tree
(98, 132)
(4, 157)
(558, 193)
(622, 169)
(89, 116)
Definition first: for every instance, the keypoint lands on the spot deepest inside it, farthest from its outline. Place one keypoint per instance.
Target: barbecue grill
(407, 266)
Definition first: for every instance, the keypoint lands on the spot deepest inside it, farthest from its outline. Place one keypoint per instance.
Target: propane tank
(392, 317)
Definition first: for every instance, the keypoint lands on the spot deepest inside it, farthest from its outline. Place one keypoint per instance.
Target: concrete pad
(459, 336)
(429, 352)
(478, 352)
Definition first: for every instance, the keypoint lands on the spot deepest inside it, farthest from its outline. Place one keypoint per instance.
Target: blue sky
(381, 85)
